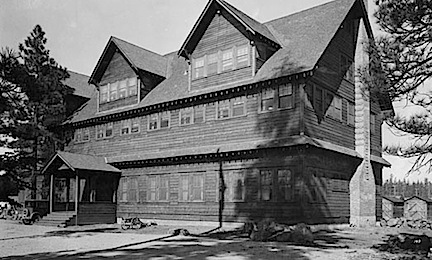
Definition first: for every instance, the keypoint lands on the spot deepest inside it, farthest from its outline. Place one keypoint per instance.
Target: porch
(82, 189)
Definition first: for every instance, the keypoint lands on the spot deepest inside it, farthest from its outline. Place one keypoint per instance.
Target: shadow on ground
(233, 244)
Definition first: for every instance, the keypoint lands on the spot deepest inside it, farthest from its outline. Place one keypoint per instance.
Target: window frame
(104, 90)
(247, 55)
(290, 96)
(288, 187)
(104, 128)
(269, 185)
(230, 65)
(200, 68)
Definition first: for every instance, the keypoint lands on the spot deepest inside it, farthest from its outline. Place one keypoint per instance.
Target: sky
(78, 30)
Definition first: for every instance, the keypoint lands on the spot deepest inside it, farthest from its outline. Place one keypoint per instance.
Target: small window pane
(153, 122)
(224, 109)
(186, 116)
(103, 94)
(242, 56)
(123, 89)
(227, 60)
(165, 119)
(212, 66)
(199, 68)
(113, 91)
(199, 112)
(133, 86)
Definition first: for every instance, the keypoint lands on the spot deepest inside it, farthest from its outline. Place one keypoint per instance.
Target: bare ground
(19, 241)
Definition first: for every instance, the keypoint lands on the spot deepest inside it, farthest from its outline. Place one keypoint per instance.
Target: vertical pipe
(51, 192)
(77, 186)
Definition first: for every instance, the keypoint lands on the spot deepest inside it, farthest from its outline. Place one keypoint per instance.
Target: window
(133, 86)
(113, 91)
(267, 100)
(285, 95)
(125, 127)
(123, 189)
(212, 64)
(285, 185)
(223, 109)
(227, 60)
(104, 131)
(103, 94)
(165, 120)
(242, 56)
(153, 122)
(237, 186)
(135, 128)
(163, 187)
(186, 116)
(152, 188)
(266, 183)
(231, 108)
(133, 188)
(334, 106)
(372, 123)
(347, 68)
(86, 135)
(350, 113)
(199, 114)
(197, 187)
(199, 68)
(184, 188)
(318, 100)
(123, 89)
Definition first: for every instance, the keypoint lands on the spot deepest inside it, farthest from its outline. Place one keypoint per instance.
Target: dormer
(225, 46)
(125, 73)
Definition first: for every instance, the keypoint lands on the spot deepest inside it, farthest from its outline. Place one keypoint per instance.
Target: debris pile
(407, 246)
(406, 222)
(271, 231)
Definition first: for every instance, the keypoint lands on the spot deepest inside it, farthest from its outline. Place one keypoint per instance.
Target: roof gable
(248, 25)
(139, 59)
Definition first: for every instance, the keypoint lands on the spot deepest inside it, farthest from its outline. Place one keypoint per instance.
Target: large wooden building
(246, 121)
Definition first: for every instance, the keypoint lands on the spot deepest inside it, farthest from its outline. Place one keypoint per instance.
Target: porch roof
(75, 161)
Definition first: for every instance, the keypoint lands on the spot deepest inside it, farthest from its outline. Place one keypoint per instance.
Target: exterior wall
(387, 208)
(264, 128)
(220, 35)
(317, 186)
(415, 208)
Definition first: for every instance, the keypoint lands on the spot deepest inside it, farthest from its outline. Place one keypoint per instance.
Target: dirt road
(18, 241)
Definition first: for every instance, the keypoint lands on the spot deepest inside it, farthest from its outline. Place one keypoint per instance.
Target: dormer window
(212, 64)
(118, 90)
(199, 68)
(227, 60)
(242, 56)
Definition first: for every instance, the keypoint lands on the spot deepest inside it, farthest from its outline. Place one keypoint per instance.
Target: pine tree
(32, 118)
(402, 62)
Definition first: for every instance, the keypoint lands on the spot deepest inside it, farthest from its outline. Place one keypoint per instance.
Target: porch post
(77, 186)
(51, 192)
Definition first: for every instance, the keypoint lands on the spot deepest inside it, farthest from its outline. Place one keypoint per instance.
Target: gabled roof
(79, 83)
(74, 162)
(393, 199)
(420, 198)
(304, 37)
(137, 57)
(210, 10)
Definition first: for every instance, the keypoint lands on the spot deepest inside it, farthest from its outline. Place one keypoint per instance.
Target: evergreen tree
(402, 61)
(32, 84)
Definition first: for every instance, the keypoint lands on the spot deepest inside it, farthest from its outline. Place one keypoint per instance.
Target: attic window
(199, 68)
(118, 90)
(227, 60)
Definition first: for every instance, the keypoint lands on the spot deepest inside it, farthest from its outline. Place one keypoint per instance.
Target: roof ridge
(238, 10)
(133, 44)
(301, 11)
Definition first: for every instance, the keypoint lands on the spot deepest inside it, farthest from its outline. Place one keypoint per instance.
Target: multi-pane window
(267, 99)
(197, 191)
(82, 135)
(237, 186)
(212, 64)
(285, 185)
(132, 191)
(113, 91)
(186, 115)
(135, 126)
(334, 106)
(231, 108)
(104, 131)
(285, 96)
(163, 188)
(122, 90)
(199, 68)
(165, 119)
(184, 188)
(152, 190)
(227, 60)
(242, 56)
(133, 86)
(350, 113)
(103, 94)
(266, 185)
(125, 127)
(123, 192)
(372, 123)
(118, 90)
(153, 122)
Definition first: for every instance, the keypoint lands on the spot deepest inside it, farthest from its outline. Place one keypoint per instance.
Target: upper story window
(192, 115)
(104, 131)
(280, 98)
(350, 113)
(82, 135)
(130, 126)
(118, 90)
(159, 120)
(333, 105)
(224, 60)
(231, 108)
